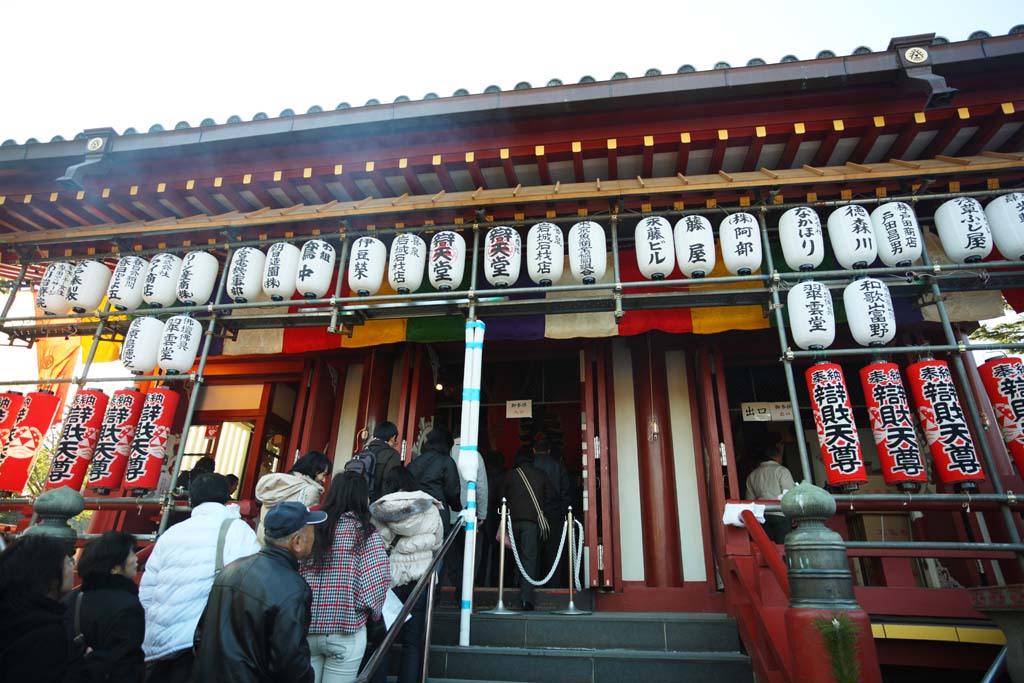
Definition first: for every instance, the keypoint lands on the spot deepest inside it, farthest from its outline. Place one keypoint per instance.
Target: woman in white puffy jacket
(409, 521)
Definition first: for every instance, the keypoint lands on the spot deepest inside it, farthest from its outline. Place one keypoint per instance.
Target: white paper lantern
(161, 290)
(52, 297)
(869, 312)
(852, 237)
(588, 259)
(198, 278)
(545, 253)
(1006, 219)
(447, 260)
(812, 319)
(316, 268)
(245, 274)
(406, 263)
(963, 230)
(88, 284)
(366, 265)
(740, 236)
(655, 248)
(897, 234)
(503, 256)
(125, 290)
(695, 246)
(279, 271)
(179, 344)
(803, 245)
(141, 346)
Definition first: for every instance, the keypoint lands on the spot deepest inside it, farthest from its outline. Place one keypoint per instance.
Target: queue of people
(299, 600)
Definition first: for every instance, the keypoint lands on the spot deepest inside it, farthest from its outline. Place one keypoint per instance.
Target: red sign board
(1004, 384)
(149, 447)
(111, 455)
(892, 424)
(30, 426)
(78, 440)
(837, 432)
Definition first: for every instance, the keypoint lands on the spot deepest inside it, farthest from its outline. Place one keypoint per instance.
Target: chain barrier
(578, 555)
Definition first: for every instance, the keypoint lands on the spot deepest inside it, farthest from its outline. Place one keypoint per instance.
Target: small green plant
(840, 636)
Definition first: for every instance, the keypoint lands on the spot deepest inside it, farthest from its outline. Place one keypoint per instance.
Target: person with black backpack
(437, 474)
(378, 457)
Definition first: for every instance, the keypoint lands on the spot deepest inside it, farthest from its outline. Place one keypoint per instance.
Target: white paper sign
(756, 412)
(391, 609)
(520, 408)
(782, 412)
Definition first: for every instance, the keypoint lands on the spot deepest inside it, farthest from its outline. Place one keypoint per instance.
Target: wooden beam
(577, 161)
(718, 151)
(754, 148)
(986, 131)
(683, 153)
(867, 140)
(792, 146)
(542, 165)
(411, 178)
(942, 139)
(441, 171)
(613, 158)
(319, 188)
(647, 163)
(511, 177)
(473, 166)
(1015, 143)
(569, 195)
(828, 143)
(17, 214)
(906, 136)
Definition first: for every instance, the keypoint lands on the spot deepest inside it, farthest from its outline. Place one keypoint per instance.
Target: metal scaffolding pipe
(102, 380)
(780, 326)
(890, 350)
(15, 288)
(935, 545)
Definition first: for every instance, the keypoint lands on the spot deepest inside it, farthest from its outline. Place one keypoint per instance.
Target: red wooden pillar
(374, 392)
(660, 518)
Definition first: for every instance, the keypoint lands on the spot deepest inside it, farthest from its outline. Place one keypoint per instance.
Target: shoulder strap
(529, 489)
(222, 537)
(79, 636)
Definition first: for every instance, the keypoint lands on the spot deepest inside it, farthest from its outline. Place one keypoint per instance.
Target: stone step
(661, 632)
(532, 665)
(545, 599)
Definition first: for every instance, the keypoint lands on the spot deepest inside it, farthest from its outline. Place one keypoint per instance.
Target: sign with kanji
(10, 404)
(77, 440)
(1004, 384)
(518, 409)
(892, 424)
(30, 426)
(150, 444)
(110, 457)
(944, 424)
(837, 432)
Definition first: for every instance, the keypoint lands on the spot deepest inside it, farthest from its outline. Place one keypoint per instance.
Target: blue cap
(284, 519)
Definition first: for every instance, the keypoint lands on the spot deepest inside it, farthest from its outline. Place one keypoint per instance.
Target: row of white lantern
(150, 343)
(869, 313)
(890, 232)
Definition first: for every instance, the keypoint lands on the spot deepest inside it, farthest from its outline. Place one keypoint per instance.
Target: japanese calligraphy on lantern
(545, 249)
(78, 440)
(587, 256)
(1005, 216)
(1004, 384)
(52, 297)
(110, 457)
(279, 270)
(447, 260)
(32, 422)
(366, 266)
(897, 234)
(245, 274)
(10, 404)
(811, 316)
(406, 263)
(943, 422)
(695, 246)
(655, 251)
(837, 432)
(963, 230)
(802, 242)
(869, 311)
(892, 424)
(503, 252)
(161, 288)
(126, 286)
(149, 447)
(852, 236)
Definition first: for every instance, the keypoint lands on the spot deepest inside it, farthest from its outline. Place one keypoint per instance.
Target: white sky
(69, 66)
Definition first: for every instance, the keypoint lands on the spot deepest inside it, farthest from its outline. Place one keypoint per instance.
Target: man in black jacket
(563, 492)
(257, 616)
(384, 446)
(437, 474)
(516, 487)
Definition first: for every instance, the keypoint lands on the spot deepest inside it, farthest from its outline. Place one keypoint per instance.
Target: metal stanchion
(500, 608)
(428, 624)
(571, 609)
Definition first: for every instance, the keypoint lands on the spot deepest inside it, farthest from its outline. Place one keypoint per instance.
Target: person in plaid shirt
(349, 573)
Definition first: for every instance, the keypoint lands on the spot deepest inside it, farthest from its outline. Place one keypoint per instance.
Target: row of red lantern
(938, 410)
(116, 441)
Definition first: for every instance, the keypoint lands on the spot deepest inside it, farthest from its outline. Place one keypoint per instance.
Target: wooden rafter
(754, 149)
(867, 140)
(566, 194)
(939, 143)
(906, 137)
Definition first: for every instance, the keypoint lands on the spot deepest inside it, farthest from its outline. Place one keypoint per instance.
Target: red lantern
(10, 404)
(837, 433)
(1004, 384)
(944, 424)
(150, 444)
(78, 440)
(892, 423)
(111, 455)
(34, 419)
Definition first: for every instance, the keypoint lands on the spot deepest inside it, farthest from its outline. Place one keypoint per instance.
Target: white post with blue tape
(469, 464)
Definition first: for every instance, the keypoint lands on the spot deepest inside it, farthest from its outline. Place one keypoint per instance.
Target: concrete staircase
(607, 647)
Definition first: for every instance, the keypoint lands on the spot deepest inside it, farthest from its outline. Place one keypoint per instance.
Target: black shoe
(527, 606)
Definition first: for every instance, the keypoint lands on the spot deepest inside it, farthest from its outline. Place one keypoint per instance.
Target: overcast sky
(70, 66)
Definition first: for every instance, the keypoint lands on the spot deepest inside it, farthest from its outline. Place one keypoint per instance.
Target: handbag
(542, 521)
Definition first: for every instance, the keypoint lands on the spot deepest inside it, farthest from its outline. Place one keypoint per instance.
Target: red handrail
(768, 549)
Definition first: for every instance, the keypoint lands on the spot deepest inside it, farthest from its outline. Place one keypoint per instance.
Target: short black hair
(311, 464)
(399, 479)
(232, 479)
(208, 488)
(203, 465)
(31, 568)
(102, 554)
(385, 430)
(441, 438)
(541, 446)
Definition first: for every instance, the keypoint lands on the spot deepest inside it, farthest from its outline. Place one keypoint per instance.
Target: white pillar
(469, 464)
